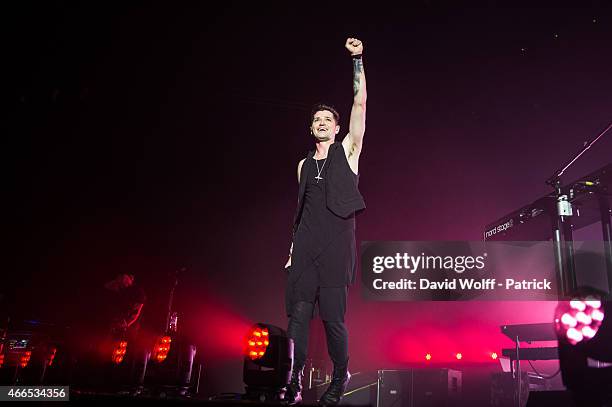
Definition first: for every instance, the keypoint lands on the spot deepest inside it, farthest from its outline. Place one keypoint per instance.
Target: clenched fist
(354, 46)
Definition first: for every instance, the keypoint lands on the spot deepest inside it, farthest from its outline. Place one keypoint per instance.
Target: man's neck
(322, 148)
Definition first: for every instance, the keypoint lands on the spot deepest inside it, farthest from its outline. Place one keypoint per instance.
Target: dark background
(145, 138)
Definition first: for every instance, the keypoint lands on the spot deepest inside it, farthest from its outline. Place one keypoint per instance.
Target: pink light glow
(583, 318)
(579, 305)
(597, 315)
(594, 304)
(228, 327)
(397, 345)
(588, 332)
(568, 320)
(574, 335)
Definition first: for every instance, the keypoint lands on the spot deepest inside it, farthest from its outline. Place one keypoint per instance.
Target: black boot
(337, 387)
(293, 395)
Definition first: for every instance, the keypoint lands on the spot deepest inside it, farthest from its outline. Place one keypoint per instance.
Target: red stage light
(161, 349)
(267, 363)
(24, 359)
(494, 356)
(428, 356)
(1, 359)
(257, 342)
(459, 356)
(119, 352)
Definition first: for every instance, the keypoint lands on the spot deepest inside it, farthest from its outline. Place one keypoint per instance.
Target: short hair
(321, 106)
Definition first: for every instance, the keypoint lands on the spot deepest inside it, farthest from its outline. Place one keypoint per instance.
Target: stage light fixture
(267, 362)
(428, 356)
(579, 320)
(584, 332)
(119, 351)
(24, 359)
(171, 367)
(459, 356)
(494, 356)
(257, 343)
(161, 348)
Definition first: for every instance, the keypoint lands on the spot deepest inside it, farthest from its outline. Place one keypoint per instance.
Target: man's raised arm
(352, 142)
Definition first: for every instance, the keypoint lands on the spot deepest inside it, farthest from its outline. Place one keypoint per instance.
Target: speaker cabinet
(418, 388)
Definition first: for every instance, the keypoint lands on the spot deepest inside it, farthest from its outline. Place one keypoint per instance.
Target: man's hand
(288, 264)
(354, 46)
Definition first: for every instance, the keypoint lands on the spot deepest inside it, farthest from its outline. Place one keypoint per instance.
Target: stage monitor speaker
(418, 388)
(503, 388)
(555, 398)
(361, 390)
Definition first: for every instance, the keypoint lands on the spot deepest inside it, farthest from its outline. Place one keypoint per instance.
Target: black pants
(335, 332)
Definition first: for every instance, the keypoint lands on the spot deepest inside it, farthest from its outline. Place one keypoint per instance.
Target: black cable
(540, 374)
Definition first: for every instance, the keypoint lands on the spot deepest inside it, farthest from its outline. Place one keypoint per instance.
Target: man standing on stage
(322, 258)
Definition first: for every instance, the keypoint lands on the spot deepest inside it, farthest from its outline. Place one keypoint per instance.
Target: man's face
(324, 127)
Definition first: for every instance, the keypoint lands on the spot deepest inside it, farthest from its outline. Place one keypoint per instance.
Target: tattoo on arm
(357, 70)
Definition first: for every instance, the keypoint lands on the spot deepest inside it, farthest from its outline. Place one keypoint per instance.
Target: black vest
(341, 194)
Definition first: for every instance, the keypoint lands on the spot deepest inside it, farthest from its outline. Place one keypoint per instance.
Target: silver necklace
(318, 177)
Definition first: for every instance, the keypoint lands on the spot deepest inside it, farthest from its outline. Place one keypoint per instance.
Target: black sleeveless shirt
(318, 225)
(341, 195)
